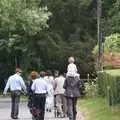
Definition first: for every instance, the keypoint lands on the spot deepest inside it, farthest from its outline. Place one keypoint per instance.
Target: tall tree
(73, 23)
(20, 21)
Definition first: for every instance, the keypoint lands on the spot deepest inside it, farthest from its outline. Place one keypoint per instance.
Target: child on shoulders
(71, 69)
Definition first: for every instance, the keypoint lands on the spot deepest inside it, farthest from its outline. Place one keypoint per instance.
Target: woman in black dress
(33, 76)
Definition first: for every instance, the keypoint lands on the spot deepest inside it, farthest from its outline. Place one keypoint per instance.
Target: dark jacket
(30, 94)
(29, 90)
(72, 86)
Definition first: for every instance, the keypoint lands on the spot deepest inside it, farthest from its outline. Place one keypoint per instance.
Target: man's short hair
(42, 73)
(18, 70)
(34, 74)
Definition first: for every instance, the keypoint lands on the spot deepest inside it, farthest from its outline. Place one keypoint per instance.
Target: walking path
(24, 112)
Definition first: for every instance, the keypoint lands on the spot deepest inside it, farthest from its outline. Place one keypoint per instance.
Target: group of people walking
(46, 92)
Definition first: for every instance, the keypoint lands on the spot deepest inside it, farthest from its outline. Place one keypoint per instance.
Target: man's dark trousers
(15, 99)
(39, 103)
(71, 102)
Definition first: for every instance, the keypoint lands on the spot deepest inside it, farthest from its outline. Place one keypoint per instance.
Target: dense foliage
(41, 34)
(112, 16)
(35, 37)
(20, 21)
(110, 27)
(73, 32)
(108, 84)
(111, 44)
(111, 54)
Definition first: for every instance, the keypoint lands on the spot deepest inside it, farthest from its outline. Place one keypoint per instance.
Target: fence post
(109, 99)
(88, 78)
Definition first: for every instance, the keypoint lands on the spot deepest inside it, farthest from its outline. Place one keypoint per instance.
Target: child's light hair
(71, 60)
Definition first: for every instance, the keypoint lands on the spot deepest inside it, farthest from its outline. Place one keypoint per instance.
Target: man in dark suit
(72, 92)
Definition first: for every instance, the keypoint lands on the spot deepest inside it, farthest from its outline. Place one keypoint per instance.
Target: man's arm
(33, 86)
(6, 87)
(76, 68)
(55, 84)
(23, 84)
(65, 84)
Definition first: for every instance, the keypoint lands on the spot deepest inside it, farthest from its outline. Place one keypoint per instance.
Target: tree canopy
(20, 21)
(42, 34)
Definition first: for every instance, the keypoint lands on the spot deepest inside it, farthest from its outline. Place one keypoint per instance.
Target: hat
(18, 70)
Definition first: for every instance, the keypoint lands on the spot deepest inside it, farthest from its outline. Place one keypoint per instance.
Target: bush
(108, 66)
(109, 85)
(111, 44)
(91, 88)
(111, 55)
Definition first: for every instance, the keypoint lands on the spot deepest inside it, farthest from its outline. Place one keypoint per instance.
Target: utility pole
(99, 34)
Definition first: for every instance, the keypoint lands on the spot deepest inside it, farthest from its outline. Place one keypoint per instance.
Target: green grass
(114, 72)
(97, 109)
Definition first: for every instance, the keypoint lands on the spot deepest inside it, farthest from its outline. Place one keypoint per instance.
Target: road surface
(24, 114)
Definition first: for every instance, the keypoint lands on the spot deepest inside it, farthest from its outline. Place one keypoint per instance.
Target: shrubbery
(111, 55)
(109, 85)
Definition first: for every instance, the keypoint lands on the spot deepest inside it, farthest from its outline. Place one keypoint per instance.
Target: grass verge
(97, 109)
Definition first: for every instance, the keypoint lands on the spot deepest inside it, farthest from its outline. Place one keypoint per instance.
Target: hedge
(109, 85)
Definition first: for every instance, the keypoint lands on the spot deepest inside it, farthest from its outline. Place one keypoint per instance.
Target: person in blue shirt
(16, 84)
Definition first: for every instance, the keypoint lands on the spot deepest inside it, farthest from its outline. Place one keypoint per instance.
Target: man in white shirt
(16, 84)
(40, 89)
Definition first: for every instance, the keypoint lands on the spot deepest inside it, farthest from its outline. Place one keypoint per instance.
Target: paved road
(24, 112)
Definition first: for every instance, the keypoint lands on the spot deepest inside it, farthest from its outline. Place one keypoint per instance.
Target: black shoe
(14, 117)
(50, 110)
(47, 110)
